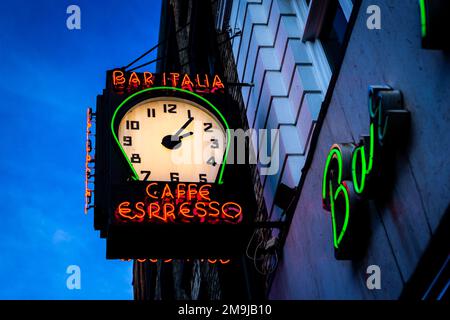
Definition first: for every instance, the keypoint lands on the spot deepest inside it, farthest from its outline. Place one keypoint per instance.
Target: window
(332, 33)
(223, 14)
(327, 21)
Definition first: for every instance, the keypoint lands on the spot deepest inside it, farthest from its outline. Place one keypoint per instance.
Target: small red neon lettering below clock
(173, 139)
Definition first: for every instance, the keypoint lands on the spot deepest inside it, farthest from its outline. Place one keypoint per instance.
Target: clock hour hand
(190, 133)
(174, 142)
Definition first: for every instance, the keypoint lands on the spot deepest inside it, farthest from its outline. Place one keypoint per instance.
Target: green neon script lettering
(359, 153)
(333, 196)
(338, 154)
(423, 17)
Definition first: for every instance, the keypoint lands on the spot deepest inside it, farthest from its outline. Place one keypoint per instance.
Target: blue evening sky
(49, 76)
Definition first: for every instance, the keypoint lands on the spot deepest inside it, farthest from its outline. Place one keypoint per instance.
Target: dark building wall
(404, 219)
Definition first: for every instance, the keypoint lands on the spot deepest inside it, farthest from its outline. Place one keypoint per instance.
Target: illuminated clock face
(172, 139)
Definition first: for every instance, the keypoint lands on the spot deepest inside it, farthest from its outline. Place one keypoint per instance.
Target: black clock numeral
(174, 177)
(202, 177)
(170, 108)
(132, 125)
(215, 143)
(127, 141)
(189, 114)
(211, 161)
(135, 158)
(147, 174)
(208, 126)
(151, 113)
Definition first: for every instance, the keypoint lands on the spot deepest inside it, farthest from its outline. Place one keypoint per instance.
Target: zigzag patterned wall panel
(286, 94)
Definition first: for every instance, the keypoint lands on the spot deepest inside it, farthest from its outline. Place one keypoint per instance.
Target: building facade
(312, 63)
(303, 68)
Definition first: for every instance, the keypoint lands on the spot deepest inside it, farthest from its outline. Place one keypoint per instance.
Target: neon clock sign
(170, 201)
(164, 188)
(352, 171)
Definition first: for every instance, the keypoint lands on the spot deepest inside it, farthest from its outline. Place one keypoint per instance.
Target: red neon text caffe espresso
(184, 203)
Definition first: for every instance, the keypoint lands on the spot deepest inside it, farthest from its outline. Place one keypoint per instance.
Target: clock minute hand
(176, 135)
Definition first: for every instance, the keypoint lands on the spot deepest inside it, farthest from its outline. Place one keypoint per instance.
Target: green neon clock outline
(214, 108)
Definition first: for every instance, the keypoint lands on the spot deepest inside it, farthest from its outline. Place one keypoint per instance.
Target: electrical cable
(254, 259)
(267, 265)
(147, 63)
(154, 60)
(142, 55)
(251, 257)
(249, 243)
(270, 261)
(153, 48)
